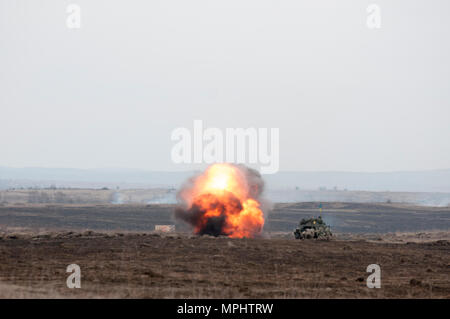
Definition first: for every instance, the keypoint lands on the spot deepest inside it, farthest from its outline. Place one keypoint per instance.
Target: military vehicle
(312, 228)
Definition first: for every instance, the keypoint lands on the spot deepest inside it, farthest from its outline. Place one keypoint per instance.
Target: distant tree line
(43, 197)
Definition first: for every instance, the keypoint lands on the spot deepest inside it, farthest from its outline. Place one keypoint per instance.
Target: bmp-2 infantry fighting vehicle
(312, 228)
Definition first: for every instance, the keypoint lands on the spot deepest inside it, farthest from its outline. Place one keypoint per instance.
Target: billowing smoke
(223, 200)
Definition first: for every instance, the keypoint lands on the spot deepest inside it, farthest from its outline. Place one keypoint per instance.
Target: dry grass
(146, 265)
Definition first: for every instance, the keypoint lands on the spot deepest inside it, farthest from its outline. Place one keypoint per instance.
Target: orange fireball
(223, 201)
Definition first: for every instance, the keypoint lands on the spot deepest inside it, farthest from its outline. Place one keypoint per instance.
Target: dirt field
(178, 266)
(343, 217)
(121, 256)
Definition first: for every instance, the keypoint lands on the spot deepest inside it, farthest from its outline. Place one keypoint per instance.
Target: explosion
(223, 200)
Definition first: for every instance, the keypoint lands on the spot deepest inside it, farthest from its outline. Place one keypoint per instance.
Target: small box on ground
(165, 228)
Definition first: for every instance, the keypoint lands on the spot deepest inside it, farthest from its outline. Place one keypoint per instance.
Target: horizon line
(196, 170)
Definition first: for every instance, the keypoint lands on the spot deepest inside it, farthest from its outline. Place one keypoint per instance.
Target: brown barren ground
(148, 265)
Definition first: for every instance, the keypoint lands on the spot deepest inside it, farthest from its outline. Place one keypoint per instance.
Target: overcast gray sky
(109, 94)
